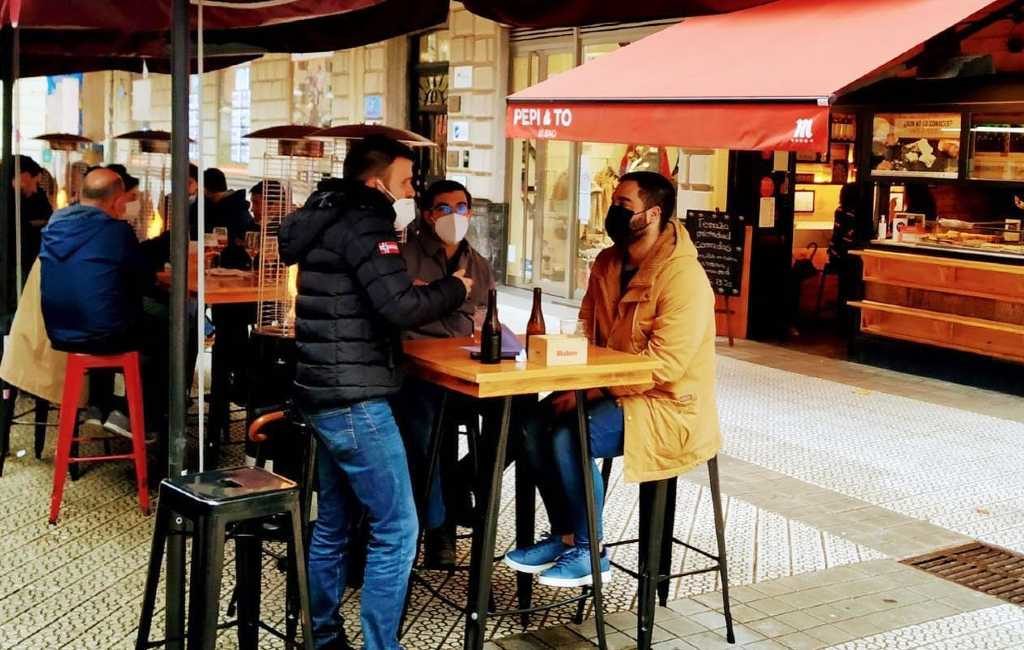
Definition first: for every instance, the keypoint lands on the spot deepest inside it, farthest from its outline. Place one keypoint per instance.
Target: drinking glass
(252, 246)
(222, 236)
(572, 327)
(479, 316)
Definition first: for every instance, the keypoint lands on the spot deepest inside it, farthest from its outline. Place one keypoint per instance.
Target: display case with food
(997, 147)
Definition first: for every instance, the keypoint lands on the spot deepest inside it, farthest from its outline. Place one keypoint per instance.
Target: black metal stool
(41, 414)
(657, 519)
(212, 501)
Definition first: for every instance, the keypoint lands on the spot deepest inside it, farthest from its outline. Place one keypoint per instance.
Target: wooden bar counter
(972, 303)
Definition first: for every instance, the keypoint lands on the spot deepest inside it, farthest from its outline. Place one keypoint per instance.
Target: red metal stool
(77, 366)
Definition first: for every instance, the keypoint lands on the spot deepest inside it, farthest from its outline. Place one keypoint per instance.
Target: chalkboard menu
(719, 238)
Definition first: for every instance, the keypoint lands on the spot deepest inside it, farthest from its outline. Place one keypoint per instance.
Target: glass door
(543, 193)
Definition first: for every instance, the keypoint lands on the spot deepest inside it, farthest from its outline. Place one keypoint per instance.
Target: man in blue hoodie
(94, 277)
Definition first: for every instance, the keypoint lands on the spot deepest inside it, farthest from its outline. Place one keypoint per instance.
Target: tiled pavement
(808, 541)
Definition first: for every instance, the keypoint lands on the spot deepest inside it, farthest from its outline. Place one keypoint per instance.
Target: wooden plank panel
(1002, 282)
(1001, 340)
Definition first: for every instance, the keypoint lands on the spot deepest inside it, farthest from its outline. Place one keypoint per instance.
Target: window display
(997, 147)
(925, 145)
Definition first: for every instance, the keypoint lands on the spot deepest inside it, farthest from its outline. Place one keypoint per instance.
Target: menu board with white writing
(719, 238)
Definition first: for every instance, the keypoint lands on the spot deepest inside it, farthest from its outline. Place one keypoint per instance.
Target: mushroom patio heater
(150, 158)
(67, 153)
(290, 167)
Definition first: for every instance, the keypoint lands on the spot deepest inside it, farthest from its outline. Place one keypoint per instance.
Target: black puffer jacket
(355, 296)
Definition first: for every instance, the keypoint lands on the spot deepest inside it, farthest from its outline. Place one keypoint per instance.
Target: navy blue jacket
(93, 280)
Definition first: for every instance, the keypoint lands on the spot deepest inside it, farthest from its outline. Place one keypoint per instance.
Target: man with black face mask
(647, 295)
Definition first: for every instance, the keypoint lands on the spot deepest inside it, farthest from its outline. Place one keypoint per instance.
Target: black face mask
(617, 225)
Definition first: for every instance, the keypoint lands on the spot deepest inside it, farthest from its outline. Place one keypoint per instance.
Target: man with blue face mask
(436, 248)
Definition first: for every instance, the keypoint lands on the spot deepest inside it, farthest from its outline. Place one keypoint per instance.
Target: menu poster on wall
(719, 238)
(924, 145)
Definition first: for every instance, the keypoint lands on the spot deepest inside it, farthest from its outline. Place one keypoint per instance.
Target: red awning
(570, 13)
(762, 78)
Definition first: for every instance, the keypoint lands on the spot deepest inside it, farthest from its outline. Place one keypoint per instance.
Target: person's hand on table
(466, 281)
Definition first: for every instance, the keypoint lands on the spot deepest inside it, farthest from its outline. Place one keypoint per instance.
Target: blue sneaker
(536, 558)
(572, 569)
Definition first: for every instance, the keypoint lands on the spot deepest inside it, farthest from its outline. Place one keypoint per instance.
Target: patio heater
(290, 167)
(67, 160)
(150, 158)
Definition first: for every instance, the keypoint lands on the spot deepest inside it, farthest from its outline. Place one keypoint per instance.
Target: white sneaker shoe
(117, 422)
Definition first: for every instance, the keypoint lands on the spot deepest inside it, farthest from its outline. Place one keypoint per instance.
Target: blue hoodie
(93, 279)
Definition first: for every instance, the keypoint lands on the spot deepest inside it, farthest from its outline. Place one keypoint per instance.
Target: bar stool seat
(77, 366)
(211, 502)
(657, 518)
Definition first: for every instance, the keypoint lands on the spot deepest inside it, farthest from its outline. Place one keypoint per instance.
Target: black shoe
(439, 548)
(337, 644)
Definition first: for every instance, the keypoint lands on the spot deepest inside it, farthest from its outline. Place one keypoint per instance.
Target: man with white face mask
(436, 248)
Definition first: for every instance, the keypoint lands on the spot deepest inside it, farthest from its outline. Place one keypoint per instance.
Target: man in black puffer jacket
(354, 299)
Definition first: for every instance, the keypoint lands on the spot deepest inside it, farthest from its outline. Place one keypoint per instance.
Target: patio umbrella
(360, 131)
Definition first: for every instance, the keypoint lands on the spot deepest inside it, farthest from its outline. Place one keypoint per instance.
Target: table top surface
(444, 362)
(220, 290)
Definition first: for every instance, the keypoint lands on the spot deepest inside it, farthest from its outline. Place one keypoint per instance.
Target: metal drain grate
(988, 569)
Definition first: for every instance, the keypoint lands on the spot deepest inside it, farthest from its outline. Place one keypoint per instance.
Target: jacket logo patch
(388, 248)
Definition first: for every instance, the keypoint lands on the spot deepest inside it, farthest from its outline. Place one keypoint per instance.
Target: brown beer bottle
(536, 323)
(490, 333)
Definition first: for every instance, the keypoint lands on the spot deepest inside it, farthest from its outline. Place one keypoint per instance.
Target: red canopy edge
(762, 126)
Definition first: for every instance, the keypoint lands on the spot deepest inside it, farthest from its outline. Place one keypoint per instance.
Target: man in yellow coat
(647, 295)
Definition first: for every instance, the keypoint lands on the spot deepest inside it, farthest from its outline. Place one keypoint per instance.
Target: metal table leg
(482, 562)
(526, 506)
(588, 488)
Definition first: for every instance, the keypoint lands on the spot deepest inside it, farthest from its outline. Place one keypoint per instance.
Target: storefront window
(240, 115)
(997, 147)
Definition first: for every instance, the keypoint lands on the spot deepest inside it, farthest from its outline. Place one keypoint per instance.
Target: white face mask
(405, 213)
(132, 209)
(405, 209)
(452, 228)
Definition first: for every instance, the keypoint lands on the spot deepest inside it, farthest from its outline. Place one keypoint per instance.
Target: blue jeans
(550, 441)
(416, 409)
(361, 464)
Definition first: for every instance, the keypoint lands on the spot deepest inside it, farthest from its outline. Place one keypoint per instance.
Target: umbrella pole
(179, 306)
(9, 273)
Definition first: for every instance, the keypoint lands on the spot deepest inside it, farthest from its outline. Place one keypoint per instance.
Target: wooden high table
(220, 290)
(443, 362)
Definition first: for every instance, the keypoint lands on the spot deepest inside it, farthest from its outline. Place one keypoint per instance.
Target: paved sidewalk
(831, 473)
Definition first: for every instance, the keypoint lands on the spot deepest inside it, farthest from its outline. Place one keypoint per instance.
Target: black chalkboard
(719, 238)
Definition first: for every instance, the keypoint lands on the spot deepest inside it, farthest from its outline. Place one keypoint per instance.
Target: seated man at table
(647, 295)
(226, 208)
(94, 279)
(436, 247)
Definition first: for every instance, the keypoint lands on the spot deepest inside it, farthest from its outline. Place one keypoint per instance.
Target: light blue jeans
(552, 442)
(361, 464)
